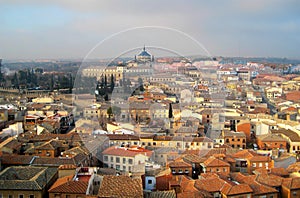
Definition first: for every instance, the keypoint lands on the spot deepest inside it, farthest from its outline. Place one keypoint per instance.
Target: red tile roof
(128, 152)
(230, 189)
(214, 162)
(206, 184)
(121, 186)
(292, 183)
(71, 187)
(179, 164)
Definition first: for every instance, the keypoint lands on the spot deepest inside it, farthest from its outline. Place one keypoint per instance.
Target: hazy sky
(70, 29)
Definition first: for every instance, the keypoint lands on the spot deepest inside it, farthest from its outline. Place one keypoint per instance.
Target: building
(234, 139)
(180, 168)
(271, 141)
(248, 161)
(126, 159)
(26, 181)
(215, 165)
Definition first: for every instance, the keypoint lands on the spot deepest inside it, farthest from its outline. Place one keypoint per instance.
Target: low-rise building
(26, 181)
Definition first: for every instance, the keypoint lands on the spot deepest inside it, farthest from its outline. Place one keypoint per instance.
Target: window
(118, 167)
(238, 140)
(68, 196)
(21, 196)
(117, 160)
(10, 196)
(105, 158)
(260, 164)
(154, 143)
(218, 170)
(254, 164)
(31, 196)
(56, 195)
(130, 161)
(149, 181)
(111, 159)
(124, 160)
(232, 139)
(124, 168)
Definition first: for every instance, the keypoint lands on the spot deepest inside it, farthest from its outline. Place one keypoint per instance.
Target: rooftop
(26, 178)
(121, 186)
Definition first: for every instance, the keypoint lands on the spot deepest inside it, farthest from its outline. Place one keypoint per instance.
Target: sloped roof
(26, 178)
(72, 187)
(292, 183)
(163, 194)
(230, 189)
(121, 186)
(214, 162)
(206, 184)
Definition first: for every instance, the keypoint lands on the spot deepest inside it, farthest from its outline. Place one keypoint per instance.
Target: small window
(124, 160)
(117, 160)
(21, 196)
(10, 196)
(105, 158)
(31, 196)
(111, 159)
(149, 181)
(130, 161)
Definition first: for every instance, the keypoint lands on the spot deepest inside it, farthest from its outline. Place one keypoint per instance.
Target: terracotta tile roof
(260, 158)
(163, 194)
(209, 175)
(271, 138)
(258, 189)
(244, 154)
(121, 186)
(179, 164)
(8, 159)
(292, 183)
(57, 161)
(192, 158)
(269, 180)
(230, 189)
(71, 187)
(122, 137)
(206, 184)
(294, 167)
(196, 194)
(128, 152)
(61, 181)
(214, 162)
(293, 136)
(280, 171)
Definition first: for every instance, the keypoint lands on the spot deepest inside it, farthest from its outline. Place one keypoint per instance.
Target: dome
(144, 56)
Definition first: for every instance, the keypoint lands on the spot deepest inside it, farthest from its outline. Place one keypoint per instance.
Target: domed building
(144, 57)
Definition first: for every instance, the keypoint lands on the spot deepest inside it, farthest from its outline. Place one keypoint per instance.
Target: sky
(35, 29)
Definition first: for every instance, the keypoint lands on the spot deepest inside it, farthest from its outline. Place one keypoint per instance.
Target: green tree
(170, 111)
(112, 83)
(141, 84)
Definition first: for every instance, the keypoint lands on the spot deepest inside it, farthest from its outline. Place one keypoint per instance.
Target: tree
(109, 112)
(141, 84)
(170, 111)
(52, 83)
(15, 81)
(112, 83)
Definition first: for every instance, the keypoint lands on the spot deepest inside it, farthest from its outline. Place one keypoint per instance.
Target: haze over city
(70, 29)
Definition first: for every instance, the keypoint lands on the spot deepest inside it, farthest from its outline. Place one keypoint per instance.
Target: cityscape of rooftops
(169, 99)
